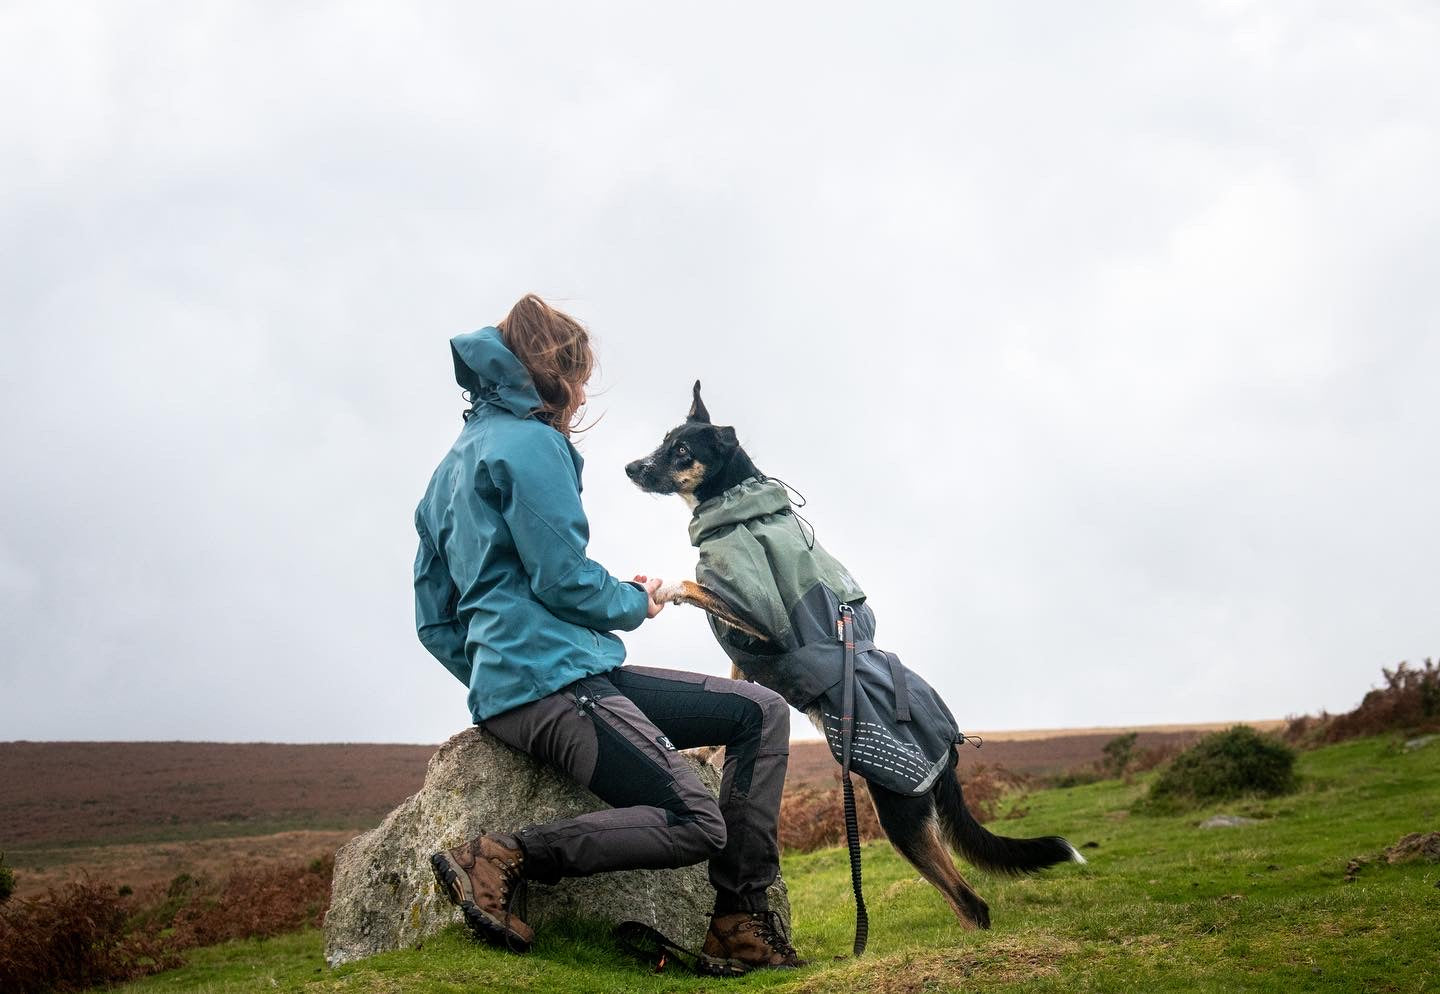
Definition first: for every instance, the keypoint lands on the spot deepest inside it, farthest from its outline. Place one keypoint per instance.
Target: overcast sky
(1103, 340)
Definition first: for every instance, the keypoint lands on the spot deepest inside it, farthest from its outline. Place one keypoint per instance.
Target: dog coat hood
(754, 554)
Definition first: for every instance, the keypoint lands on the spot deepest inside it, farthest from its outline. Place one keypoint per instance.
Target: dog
(701, 462)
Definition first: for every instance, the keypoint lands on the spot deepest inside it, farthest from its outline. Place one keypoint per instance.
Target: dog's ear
(697, 408)
(726, 435)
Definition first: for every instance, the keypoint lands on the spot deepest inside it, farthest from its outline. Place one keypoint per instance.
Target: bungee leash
(847, 729)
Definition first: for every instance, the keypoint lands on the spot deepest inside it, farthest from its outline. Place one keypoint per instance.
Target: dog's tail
(996, 853)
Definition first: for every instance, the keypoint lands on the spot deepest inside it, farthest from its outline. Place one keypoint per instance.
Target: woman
(507, 599)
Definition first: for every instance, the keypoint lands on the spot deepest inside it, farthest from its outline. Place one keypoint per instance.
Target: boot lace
(769, 928)
(513, 886)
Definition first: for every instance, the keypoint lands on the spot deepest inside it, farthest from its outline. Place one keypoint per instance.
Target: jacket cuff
(634, 616)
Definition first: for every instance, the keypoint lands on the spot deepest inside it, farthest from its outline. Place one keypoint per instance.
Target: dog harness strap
(902, 689)
(852, 821)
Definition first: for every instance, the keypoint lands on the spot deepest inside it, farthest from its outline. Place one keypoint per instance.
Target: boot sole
(713, 966)
(481, 923)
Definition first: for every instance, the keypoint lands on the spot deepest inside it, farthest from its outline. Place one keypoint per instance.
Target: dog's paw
(670, 593)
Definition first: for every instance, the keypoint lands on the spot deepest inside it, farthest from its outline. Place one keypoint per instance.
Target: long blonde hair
(555, 348)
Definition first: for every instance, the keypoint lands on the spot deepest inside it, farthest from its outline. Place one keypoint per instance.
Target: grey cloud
(1130, 316)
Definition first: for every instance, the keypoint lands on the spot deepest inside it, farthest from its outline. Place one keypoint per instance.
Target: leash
(847, 729)
(657, 950)
(653, 947)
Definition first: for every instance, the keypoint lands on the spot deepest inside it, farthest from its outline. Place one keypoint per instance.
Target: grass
(1162, 905)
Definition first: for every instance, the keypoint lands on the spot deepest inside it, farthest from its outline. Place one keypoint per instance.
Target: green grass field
(1162, 905)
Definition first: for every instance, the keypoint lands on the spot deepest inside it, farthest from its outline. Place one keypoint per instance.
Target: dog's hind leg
(914, 830)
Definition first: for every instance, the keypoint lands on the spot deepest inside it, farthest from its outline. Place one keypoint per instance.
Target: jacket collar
(747, 500)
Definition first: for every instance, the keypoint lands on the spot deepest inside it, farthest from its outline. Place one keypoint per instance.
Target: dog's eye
(682, 452)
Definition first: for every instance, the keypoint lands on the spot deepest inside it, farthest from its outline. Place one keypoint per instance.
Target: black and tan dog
(699, 461)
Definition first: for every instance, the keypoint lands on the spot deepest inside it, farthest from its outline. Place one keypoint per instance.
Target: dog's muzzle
(643, 474)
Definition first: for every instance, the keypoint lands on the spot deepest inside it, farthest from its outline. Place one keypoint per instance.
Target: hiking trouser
(617, 734)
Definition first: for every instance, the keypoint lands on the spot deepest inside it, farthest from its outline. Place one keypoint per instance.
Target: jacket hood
(491, 372)
(754, 498)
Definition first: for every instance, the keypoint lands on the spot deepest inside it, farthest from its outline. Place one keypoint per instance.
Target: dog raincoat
(755, 554)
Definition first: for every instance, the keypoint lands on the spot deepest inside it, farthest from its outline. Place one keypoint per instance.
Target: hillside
(1163, 905)
(84, 793)
(137, 812)
(67, 793)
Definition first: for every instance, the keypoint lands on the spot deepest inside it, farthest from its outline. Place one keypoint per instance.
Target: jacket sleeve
(540, 501)
(436, 621)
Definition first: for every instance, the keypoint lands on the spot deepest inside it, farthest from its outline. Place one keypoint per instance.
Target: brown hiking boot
(480, 877)
(743, 941)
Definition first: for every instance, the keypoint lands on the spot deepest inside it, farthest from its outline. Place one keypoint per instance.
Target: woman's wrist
(650, 585)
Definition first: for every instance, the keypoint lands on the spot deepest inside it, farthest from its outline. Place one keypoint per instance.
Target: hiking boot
(742, 941)
(480, 877)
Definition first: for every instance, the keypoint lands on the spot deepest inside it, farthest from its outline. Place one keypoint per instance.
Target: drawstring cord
(477, 397)
(794, 504)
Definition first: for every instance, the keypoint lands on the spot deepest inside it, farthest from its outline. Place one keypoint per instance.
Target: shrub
(1152, 756)
(71, 939)
(985, 785)
(86, 935)
(256, 903)
(1409, 702)
(1224, 765)
(813, 817)
(1120, 760)
(7, 880)
(1119, 754)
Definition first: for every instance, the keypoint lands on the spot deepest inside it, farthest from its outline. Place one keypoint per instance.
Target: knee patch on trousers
(704, 835)
(775, 717)
(625, 776)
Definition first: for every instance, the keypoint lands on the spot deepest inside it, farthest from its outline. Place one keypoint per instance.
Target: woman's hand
(651, 585)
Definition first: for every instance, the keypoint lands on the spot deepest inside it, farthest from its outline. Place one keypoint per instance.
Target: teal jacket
(505, 596)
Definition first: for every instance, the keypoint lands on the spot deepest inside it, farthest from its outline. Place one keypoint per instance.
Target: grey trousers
(617, 734)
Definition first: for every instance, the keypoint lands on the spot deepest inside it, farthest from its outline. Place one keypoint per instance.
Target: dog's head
(687, 456)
